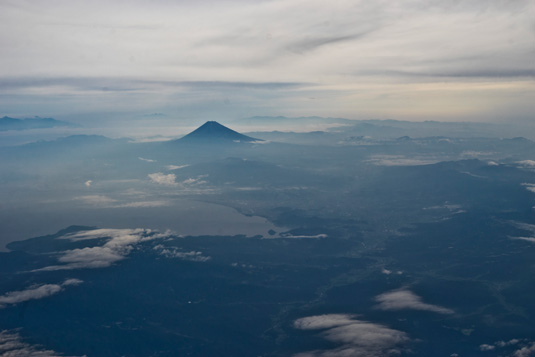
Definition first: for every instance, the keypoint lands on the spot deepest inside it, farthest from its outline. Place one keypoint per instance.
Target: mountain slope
(213, 132)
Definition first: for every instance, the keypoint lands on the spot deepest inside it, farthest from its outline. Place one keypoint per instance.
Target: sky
(99, 61)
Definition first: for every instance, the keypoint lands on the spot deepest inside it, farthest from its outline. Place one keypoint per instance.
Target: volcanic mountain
(213, 132)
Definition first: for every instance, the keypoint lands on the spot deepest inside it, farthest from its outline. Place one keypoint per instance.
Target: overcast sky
(409, 59)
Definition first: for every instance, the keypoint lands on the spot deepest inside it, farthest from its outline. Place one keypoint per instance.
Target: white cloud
(526, 351)
(287, 235)
(527, 239)
(12, 345)
(100, 201)
(357, 338)
(119, 243)
(404, 299)
(96, 200)
(34, 292)
(529, 186)
(88, 183)
(173, 252)
(397, 160)
(143, 204)
(485, 347)
(163, 179)
(146, 160)
(530, 164)
(175, 167)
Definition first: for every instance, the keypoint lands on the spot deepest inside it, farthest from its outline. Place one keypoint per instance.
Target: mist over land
(268, 178)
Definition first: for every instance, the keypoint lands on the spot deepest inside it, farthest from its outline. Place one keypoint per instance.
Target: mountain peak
(213, 132)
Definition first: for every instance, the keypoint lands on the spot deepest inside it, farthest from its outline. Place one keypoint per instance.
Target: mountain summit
(213, 132)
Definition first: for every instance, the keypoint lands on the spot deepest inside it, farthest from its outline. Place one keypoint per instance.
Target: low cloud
(291, 236)
(527, 239)
(34, 292)
(96, 200)
(88, 183)
(357, 338)
(397, 160)
(528, 164)
(404, 299)
(529, 186)
(526, 351)
(12, 345)
(173, 252)
(514, 347)
(100, 201)
(175, 167)
(146, 160)
(485, 347)
(163, 179)
(143, 204)
(119, 243)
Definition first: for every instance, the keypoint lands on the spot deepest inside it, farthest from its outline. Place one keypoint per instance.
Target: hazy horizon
(98, 62)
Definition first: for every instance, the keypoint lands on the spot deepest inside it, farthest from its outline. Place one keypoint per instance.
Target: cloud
(35, 292)
(163, 179)
(365, 57)
(12, 345)
(398, 160)
(530, 164)
(173, 252)
(529, 186)
(119, 243)
(485, 347)
(146, 160)
(526, 351)
(404, 299)
(527, 239)
(357, 338)
(511, 347)
(291, 236)
(143, 204)
(88, 183)
(175, 167)
(100, 201)
(96, 200)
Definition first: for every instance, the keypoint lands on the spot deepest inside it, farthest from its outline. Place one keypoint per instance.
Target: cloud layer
(411, 59)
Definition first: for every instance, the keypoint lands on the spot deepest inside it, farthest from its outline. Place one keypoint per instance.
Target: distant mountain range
(8, 123)
(213, 132)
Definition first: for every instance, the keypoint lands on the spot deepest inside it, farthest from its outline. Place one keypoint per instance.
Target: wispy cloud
(527, 239)
(146, 160)
(35, 292)
(175, 167)
(356, 338)
(101, 201)
(405, 299)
